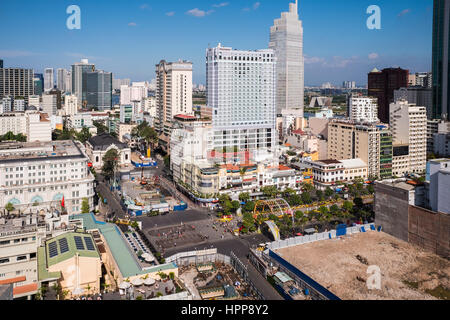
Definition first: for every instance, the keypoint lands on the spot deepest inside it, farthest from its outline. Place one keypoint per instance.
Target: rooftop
(103, 141)
(408, 273)
(39, 151)
(122, 254)
(353, 163)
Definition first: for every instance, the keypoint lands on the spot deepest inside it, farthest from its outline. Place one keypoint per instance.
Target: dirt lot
(408, 273)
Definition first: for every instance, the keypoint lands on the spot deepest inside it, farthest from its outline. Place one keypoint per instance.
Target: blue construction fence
(145, 165)
(302, 278)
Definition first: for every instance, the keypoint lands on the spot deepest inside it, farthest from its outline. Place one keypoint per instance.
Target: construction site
(144, 195)
(341, 265)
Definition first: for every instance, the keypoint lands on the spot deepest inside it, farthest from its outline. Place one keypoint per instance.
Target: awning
(137, 282)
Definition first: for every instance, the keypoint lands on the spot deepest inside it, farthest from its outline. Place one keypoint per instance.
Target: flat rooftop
(408, 273)
(28, 151)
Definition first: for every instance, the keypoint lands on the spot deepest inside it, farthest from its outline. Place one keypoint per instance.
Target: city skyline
(135, 35)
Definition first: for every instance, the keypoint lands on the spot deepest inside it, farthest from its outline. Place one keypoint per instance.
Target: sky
(129, 37)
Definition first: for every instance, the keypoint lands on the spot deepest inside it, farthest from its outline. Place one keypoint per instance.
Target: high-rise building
(70, 105)
(173, 93)
(408, 124)
(382, 84)
(136, 92)
(368, 142)
(418, 95)
(78, 86)
(49, 81)
(117, 83)
(68, 81)
(441, 59)
(1, 64)
(363, 109)
(349, 85)
(286, 40)
(64, 80)
(38, 83)
(49, 104)
(16, 82)
(98, 85)
(241, 90)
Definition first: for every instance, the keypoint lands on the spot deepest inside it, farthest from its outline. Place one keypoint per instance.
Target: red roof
(29, 288)
(13, 280)
(300, 132)
(185, 117)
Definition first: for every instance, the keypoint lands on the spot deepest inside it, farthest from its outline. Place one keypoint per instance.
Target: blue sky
(130, 37)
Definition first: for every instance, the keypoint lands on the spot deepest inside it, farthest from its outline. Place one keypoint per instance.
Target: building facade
(241, 90)
(363, 109)
(441, 60)
(49, 80)
(286, 40)
(16, 82)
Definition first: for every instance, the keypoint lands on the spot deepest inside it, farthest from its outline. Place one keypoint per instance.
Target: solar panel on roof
(79, 243)
(63, 245)
(52, 249)
(89, 244)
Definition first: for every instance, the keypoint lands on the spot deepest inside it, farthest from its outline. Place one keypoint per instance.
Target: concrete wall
(391, 210)
(430, 230)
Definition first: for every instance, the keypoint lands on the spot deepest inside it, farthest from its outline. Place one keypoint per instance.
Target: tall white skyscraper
(48, 79)
(241, 93)
(286, 39)
(64, 80)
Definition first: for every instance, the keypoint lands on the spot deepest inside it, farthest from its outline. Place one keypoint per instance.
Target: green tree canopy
(85, 206)
(244, 196)
(110, 163)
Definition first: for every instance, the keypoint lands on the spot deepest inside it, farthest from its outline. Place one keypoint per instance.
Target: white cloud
(170, 13)
(256, 5)
(220, 5)
(374, 56)
(144, 6)
(312, 60)
(132, 24)
(196, 12)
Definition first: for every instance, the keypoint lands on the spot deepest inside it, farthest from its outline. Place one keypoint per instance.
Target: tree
(9, 207)
(319, 195)
(270, 192)
(370, 189)
(359, 203)
(329, 192)
(101, 128)
(244, 197)
(248, 223)
(110, 163)
(306, 198)
(84, 135)
(167, 161)
(145, 132)
(334, 209)
(347, 206)
(235, 205)
(249, 206)
(295, 200)
(85, 206)
(307, 187)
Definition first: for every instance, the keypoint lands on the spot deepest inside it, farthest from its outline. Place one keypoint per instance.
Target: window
(20, 258)
(3, 243)
(4, 260)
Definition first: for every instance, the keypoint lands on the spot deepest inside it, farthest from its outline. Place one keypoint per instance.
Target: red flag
(62, 203)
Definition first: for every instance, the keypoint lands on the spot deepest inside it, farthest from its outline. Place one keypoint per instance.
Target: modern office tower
(408, 124)
(418, 95)
(49, 104)
(352, 140)
(70, 105)
(46, 172)
(49, 81)
(98, 90)
(38, 83)
(16, 82)
(126, 113)
(241, 90)
(58, 95)
(441, 59)
(363, 109)
(78, 87)
(286, 40)
(382, 84)
(19, 105)
(173, 93)
(1, 64)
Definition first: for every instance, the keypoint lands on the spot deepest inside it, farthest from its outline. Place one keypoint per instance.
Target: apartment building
(351, 140)
(363, 109)
(16, 82)
(34, 125)
(70, 105)
(43, 173)
(173, 95)
(332, 173)
(408, 124)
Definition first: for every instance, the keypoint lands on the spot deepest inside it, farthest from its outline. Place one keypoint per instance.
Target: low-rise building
(331, 173)
(98, 146)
